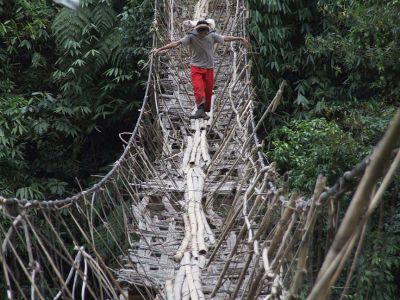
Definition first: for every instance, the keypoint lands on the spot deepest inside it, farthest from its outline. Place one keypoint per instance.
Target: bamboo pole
(185, 288)
(178, 282)
(198, 154)
(210, 233)
(284, 243)
(169, 290)
(193, 228)
(267, 219)
(185, 242)
(264, 225)
(186, 156)
(229, 220)
(200, 230)
(243, 273)
(204, 148)
(255, 284)
(271, 107)
(301, 269)
(196, 142)
(189, 276)
(282, 225)
(196, 278)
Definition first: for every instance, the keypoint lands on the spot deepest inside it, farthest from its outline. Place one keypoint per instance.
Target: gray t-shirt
(203, 50)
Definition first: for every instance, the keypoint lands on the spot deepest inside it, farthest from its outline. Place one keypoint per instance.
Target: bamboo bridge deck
(197, 155)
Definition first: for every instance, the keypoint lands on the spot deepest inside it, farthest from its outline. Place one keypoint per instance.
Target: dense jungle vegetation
(71, 81)
(341, 60)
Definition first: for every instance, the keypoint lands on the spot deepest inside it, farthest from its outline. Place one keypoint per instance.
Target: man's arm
(228, 38)
(166, 47)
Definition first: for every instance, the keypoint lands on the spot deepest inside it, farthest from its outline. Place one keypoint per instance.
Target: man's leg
(198, 81)
(198, 85)
(209, 85)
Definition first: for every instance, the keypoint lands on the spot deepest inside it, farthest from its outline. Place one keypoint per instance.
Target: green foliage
(393, 224)
(94, 66)
(362, 45)
(369, 126)
(378, 268)
(375, 273)
(24, 54)
(30, 130)
(309, 148)
(330, 51)
(341, 61)
(88, 43)
(70, 80)
(278, 29)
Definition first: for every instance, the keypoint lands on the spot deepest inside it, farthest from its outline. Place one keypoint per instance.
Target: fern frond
(103, 17)
(107, 47)
(67, 25)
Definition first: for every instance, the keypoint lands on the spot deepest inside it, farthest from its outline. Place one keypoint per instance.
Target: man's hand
(165, 48)
(155, 51)
(245, 43)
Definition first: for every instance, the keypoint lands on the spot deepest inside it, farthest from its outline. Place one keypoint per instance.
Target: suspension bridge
(192, 209)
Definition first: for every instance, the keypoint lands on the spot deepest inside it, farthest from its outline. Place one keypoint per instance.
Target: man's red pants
(203, 83)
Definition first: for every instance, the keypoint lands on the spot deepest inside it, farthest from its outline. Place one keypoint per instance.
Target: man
(202, 40)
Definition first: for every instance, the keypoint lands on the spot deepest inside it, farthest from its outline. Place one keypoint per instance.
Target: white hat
(193, 23)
